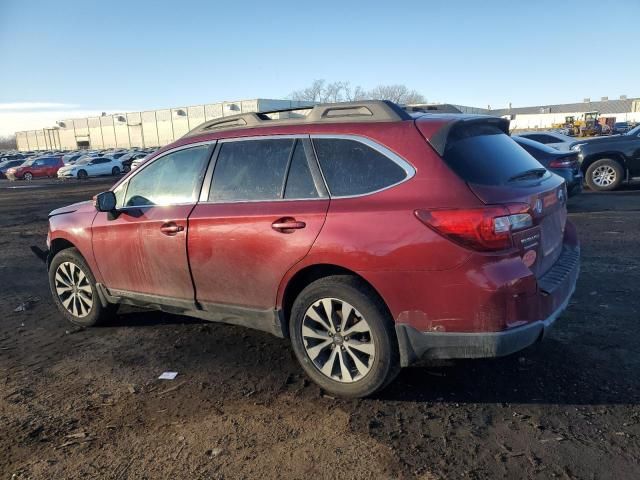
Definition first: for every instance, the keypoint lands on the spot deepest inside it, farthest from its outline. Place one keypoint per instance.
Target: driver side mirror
(105, 201)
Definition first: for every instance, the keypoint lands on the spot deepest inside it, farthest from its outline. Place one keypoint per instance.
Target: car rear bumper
(555, 290)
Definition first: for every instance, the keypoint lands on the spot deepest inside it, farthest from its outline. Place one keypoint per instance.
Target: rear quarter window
(485, 155)
(352, 168)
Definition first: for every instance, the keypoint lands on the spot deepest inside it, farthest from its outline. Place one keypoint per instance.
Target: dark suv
(368, 236)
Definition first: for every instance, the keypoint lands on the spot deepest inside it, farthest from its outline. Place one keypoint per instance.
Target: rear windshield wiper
(533, 173)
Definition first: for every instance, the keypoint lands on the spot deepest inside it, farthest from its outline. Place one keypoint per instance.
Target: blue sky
(115, 55)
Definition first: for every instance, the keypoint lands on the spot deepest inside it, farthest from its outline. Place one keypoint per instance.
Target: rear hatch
(499, 172)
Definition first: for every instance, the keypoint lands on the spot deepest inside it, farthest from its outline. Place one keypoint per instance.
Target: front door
(264, 209)
(142, 249)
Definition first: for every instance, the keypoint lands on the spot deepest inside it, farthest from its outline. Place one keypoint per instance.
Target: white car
(138, 161)
(551, 139)
(91, 167)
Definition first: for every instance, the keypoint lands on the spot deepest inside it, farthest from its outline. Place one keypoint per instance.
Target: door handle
(171, 229)
(287, 225)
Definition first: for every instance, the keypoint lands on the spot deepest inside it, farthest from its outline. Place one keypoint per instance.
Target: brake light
(563, 163)
(484, 229)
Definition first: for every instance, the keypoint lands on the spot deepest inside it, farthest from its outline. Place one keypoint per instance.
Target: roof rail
(365, 111)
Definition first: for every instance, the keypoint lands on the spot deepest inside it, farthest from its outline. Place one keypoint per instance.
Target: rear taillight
(485, 229)
(563, 163)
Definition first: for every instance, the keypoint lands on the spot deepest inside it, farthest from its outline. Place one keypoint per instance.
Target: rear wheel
(82, 174)
(604, 175)
(73, 287)
(343, 336)
(28, 176)
(115, 171)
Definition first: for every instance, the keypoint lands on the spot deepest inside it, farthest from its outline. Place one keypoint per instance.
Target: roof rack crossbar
(364, 111)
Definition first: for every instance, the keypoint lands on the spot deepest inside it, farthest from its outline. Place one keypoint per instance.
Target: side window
(250, 170)
(172, 179)
(299, 179)
(353, 168)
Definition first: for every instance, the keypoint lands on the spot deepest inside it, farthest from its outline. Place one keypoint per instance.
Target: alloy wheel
(338, 340)
(604, 175)
(73, 289)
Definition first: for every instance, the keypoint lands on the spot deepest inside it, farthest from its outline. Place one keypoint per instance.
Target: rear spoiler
(462, 127)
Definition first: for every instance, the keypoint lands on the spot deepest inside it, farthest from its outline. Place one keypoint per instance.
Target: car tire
(28, 176)
(74, 292)
(115, 171)
(82, 174)
(126, 168)
(352, 357)
(604, 175)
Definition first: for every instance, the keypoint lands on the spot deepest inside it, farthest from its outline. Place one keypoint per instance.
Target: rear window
(485, 155)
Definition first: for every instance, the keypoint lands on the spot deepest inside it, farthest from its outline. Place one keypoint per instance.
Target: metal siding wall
(134, 122)
(122, 131)
(108, 133)
(32, 139)
(165, 128)
(149, 129)
(95, 132)
(195, 116)
(42, 144)
(67, 135)
(21, 141)
(180, 122)
(212, 110)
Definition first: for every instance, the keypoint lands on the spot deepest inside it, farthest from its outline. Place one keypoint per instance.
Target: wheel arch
(291, 288)
(616, 156)
(57, 245)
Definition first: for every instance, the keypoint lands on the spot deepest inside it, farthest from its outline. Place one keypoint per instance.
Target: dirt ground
(84, 404)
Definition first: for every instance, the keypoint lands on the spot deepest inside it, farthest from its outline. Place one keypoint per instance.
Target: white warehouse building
(152, 128)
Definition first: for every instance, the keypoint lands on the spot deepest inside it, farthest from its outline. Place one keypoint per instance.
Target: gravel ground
(83, 404)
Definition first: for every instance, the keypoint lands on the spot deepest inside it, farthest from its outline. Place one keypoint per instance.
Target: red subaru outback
(368, 236)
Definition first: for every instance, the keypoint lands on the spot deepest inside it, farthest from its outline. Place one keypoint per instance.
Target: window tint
(171, 179)
(299, 180)
(485, 155)
(250, 170)
(353, 168)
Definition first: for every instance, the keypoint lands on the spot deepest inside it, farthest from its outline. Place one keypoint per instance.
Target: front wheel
(28, 176)
(343, 336)
(73, 287)
(115, 171)
(82, 174)
(604, 175)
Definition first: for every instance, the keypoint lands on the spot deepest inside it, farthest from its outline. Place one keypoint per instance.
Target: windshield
(84, 161)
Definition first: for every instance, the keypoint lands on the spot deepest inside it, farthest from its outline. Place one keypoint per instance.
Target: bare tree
(397, 93)
(341, 91)
(8, 142)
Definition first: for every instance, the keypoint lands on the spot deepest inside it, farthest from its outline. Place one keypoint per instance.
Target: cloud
(19, 116)
(31, 106)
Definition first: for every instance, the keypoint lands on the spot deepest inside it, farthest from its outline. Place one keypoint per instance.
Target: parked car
(621, 127)
(139, 161)
(130, 157)
(12, 156)
(565, 164)
(552, 139)
(71, 158)
(91, 167)
(34, 168)
(7, 164)
(608, 161)
(367, 236)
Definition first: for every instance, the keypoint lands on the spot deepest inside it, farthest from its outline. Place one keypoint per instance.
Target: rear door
(263, 210)
(143, 249)
(499, 172)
